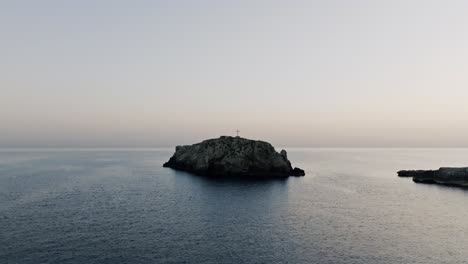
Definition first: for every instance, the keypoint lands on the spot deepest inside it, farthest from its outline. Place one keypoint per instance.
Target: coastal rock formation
(444, 175)
(233, 156)
(416, 173)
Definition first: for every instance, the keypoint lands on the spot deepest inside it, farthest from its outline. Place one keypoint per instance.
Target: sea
(121, 206)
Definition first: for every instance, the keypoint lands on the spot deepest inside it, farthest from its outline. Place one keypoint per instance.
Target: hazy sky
(94, 73)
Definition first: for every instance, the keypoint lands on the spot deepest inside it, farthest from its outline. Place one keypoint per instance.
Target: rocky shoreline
(444, 175)
(233, 157)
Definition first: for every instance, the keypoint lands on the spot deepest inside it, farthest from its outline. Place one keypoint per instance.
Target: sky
(335, 73)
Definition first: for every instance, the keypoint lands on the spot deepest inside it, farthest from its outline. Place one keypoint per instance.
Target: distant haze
(296, 73)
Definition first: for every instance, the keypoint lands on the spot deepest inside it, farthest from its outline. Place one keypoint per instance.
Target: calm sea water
(121, 206)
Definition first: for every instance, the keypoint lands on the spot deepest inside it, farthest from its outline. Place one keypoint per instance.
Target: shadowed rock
(422, 174)
(233, 156)
(444, 175)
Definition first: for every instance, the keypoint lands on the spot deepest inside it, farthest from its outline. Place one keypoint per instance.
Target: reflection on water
(123, 207)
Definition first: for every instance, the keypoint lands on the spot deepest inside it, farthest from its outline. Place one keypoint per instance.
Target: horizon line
(134, 148)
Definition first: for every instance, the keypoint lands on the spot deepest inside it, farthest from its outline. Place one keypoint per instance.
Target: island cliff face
(233, 156)
(446, 176)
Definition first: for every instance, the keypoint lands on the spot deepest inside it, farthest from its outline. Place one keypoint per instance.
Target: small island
(444, 175)
(233, 157)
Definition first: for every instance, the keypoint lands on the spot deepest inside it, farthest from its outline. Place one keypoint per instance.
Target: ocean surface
(121, 206)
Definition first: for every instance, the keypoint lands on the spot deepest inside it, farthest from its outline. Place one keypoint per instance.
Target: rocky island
(444, 175)
(233, 156)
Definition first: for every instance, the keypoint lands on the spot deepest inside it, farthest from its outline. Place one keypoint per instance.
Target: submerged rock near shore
(444, 175)
(233, 156)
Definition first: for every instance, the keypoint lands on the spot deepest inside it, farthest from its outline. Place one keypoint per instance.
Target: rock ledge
(233, 156)
(444, 175)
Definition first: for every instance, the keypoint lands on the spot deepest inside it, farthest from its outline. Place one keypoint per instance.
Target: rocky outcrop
(416, 173)
(233, 156)
(446, 176)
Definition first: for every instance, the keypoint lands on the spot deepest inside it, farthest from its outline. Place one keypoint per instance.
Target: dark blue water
(123, 207)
